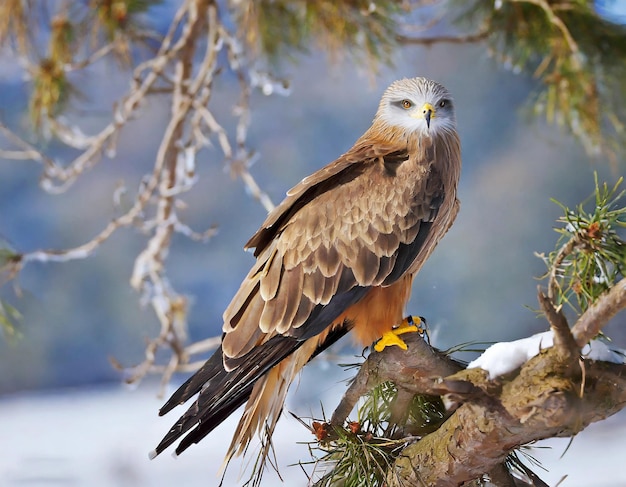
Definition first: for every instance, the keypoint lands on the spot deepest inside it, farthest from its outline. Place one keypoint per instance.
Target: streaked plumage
(338, 254)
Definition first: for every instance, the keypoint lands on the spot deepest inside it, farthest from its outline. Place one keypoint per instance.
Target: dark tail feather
(221, 392)
(212, 376)
(220, 414)
(217, 417)
(211, 371)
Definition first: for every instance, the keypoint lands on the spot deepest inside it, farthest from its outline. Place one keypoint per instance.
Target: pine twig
(599, 313)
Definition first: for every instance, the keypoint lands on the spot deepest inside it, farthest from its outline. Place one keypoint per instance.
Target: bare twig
(553, 280)
(94, 57)
(599, 313)
(176, 72)
(563, 338)
(204, 346)
(479, 36)
(85, 250)
(148, 275)
(27, 152)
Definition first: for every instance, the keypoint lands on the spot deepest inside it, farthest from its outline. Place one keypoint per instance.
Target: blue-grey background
(476, 287)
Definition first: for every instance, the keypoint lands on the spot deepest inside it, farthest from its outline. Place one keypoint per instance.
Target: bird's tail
(221, 393)
(265, 404)
(262, 377)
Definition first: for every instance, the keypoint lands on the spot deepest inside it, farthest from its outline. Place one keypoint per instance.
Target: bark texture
(555, 394)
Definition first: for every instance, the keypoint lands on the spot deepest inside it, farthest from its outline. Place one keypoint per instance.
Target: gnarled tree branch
(554, 394)
(539, 401)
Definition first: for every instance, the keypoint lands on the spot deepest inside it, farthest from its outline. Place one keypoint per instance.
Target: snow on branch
(504, 357)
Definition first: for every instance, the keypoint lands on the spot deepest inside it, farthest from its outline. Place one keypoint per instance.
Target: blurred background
(64, 416)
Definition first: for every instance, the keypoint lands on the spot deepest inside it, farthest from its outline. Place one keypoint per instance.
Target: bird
(338, 255)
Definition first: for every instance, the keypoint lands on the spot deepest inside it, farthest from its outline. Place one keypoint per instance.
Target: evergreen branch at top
(590, 256)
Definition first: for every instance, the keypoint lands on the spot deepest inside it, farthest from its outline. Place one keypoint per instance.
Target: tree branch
(543, 399)
(599, 313)
(540, 402)
(479, 36)
(563, 338)
(413, 372)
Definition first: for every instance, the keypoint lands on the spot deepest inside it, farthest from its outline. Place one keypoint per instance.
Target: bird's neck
(422, 146)
(389, 135)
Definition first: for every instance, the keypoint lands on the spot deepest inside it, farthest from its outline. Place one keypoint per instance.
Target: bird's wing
(357, 223)
(351, 227)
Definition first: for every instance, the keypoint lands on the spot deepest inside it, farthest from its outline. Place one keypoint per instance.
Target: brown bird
(337, 255)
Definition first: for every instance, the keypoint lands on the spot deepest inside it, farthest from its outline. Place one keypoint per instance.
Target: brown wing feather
(318, 182)
(344, 223)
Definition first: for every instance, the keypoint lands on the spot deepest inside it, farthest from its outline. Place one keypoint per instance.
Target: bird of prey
(338, 255)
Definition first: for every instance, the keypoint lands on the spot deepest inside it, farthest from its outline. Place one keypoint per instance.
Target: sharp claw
(416, 322)
(389, 339)
(410, 324)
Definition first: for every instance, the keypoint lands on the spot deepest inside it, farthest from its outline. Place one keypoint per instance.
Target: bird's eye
(443, 103)
(406, 104)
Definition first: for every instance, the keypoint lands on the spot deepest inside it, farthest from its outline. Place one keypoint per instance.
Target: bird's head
(417, 105)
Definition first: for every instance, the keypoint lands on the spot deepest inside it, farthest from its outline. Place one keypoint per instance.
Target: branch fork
(554, 394)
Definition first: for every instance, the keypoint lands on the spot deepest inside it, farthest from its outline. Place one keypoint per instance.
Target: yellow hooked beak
(427, 111)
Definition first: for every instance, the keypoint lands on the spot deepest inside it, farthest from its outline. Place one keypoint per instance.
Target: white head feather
(405, 104)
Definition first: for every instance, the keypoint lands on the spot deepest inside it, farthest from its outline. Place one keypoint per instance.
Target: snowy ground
(102, 437)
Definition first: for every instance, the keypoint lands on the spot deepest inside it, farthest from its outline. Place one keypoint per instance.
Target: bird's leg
(410, 324)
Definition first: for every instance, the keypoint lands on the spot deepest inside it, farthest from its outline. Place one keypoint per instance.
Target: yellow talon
(388, 339)
(410, 324)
